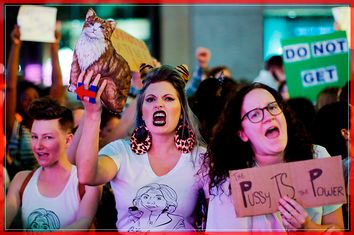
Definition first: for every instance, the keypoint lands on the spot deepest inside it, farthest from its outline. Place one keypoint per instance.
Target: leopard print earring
(140, 140)
(184, 138)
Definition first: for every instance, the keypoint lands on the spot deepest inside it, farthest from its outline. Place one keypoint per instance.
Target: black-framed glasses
(256, 115)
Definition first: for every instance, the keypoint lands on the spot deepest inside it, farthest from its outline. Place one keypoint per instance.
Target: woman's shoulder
(124, 141)
(22, 178)
(22, 175)
(116, 145)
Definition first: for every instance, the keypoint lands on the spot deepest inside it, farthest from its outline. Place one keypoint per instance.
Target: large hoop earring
(140, 140)
(184, 138)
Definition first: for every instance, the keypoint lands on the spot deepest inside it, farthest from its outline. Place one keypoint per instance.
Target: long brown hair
(227, 151)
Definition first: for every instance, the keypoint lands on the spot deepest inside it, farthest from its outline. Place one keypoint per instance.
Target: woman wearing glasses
(257, 130)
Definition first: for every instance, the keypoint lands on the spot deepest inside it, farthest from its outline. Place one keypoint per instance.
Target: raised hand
(57, 36)
(292, 213)
(203, 55)
(15, 36)
(136, 81)
(92, 108)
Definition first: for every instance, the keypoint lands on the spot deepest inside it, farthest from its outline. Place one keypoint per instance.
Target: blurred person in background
(203, 56)
(18, 98)
(327, 96)
(273, 73)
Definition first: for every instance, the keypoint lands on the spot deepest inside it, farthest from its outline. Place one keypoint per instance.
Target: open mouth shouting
(159, 118)
(272, 132)
(41, 154)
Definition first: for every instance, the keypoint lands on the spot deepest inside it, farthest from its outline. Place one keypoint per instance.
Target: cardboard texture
(37, 23)
(312, 183)
(133, 50)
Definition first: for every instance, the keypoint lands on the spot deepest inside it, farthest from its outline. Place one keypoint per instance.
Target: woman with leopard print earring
(156, 175)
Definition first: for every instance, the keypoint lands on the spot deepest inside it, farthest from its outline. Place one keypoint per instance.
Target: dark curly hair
(227, 151)
(48, 109)
(209, 101)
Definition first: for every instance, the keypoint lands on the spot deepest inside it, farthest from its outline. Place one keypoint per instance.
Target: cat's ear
(113, 24)
(90, 12)
(144, 69)
(184, 71)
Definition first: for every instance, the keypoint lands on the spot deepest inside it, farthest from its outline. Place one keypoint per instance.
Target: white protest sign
(37, 23)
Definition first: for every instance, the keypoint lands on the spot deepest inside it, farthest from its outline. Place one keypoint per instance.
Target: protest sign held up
(314, 63)
(312, 183)
(37, 23)
(134, 51)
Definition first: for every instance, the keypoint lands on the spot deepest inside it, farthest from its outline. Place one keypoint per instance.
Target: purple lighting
(33, 73)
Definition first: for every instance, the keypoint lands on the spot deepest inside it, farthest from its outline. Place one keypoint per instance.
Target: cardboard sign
(37, 23)
(133, 50)
(314, 63)
(317, 182)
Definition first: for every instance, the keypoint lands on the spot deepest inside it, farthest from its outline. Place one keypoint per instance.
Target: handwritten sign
(37, 23)
(317, 182)
(313, 63)
(133, 50)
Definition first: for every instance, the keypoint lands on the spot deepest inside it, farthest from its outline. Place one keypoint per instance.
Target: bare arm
(126, 122)
(87, 209)
(330, 222)
(91, 169)
(75, 142)
(13, 200)
(128, 117)
(11, 80)
(57, 89)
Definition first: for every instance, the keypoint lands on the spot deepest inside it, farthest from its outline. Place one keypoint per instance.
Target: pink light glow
(33, 73)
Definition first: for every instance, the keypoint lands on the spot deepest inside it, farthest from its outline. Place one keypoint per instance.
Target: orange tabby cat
(94, 51)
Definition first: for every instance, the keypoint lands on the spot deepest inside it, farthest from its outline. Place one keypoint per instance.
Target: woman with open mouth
(162, 158)
(255, 130)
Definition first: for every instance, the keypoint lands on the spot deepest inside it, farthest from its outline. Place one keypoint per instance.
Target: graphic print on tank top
(153, 208)
(42, 220)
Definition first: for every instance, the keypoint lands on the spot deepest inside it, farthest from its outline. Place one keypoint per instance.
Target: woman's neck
(163, 143)
(265, 160)
(163, 155)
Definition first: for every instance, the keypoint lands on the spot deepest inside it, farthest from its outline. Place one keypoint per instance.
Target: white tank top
(50, 213)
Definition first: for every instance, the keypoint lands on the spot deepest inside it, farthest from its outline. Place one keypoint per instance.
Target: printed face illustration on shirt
(153, 200)
(43, 220)
(153, 208)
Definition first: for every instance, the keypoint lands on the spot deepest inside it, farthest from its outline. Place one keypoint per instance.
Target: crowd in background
(210, 92)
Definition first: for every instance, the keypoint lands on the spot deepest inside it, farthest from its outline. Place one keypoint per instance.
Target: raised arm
(71, 152)
(127, 121)
(91, 169)
(87, 209)
(203, 56)
(12, 79)
(57, 89)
